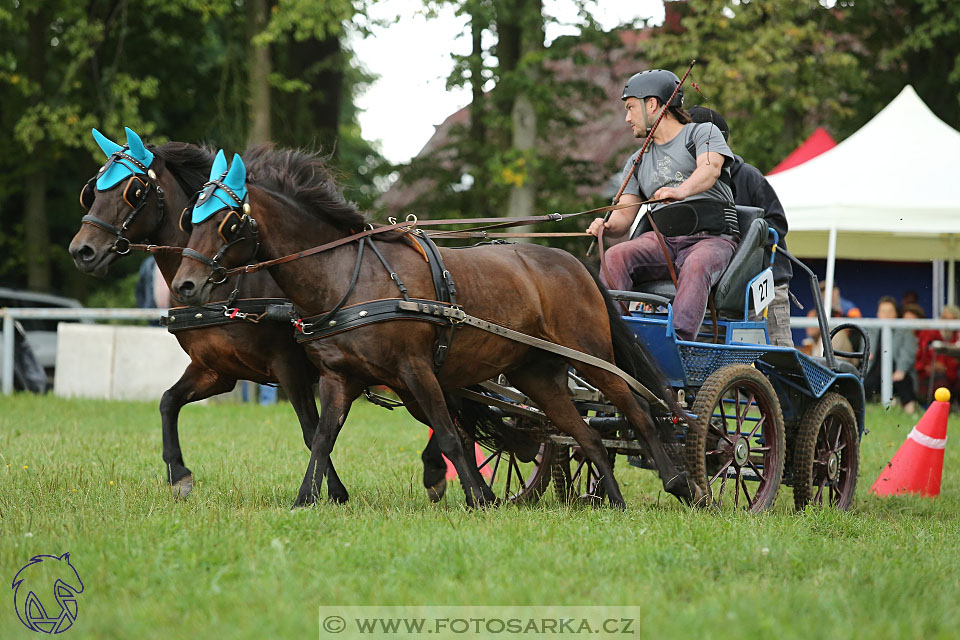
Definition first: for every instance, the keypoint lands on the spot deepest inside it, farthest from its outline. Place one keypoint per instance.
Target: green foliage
(776, 69)
(170, 70)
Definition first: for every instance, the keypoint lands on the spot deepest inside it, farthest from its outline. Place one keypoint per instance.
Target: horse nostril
(86, 253)
(186, 287)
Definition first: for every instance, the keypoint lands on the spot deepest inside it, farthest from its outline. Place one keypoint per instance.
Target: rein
(407, 226)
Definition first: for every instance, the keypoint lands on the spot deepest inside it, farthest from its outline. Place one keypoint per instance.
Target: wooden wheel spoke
(743, 484)
(758, 425)
(745, 410)
(818, 499)
(736, 407)
(516, 466)
(506, 491)
(756, 470)
(496, 465)
(723, 470)
(839, 433)
(723, 434)
(736, 490)
(490, 457)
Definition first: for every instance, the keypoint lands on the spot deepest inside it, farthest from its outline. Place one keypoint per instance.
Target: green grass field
(232, 560)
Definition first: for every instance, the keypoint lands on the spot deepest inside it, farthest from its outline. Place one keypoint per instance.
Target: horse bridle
(135, 194)
(230, 231)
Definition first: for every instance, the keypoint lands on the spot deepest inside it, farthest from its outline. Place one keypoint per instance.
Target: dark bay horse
(294, 204)
(220, 355)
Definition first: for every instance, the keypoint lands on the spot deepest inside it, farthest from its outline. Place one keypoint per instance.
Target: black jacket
(753, 190)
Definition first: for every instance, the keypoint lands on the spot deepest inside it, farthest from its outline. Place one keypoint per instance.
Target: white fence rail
(9, 315)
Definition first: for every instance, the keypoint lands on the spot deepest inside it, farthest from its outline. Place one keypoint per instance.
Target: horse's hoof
(684, 489)
(619, 505)
(699, 498)
(338, 497)
(182, 487)
(303, 501)
(436, 492)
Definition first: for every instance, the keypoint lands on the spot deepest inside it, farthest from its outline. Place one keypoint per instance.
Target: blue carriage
(763, 415)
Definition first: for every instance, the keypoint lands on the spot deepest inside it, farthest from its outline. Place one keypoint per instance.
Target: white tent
(891, 191)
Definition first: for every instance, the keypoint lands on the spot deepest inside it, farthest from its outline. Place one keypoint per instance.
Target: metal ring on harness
(218, 275)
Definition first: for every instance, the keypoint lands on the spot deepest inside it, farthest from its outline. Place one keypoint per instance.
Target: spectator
(909, 297)
(938, 370)
(152, 291)
(904, 350)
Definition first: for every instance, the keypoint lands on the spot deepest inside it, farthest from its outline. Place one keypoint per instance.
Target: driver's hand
(668, 193)
(595, 226)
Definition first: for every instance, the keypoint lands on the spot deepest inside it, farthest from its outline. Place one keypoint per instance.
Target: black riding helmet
(703, 114)
(658, 83)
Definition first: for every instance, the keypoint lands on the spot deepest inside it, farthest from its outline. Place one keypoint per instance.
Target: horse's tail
(633, 357)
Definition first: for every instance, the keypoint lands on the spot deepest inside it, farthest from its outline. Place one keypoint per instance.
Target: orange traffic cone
(478, 454)
(918, 465)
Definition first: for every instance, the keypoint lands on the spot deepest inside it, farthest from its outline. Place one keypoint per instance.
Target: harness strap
(353, 283)
(221, 313)
(441, 313)
(566, 352)
(446, 291)
(393, 274)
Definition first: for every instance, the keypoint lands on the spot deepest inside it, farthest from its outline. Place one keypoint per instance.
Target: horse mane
(304, 179)
(189, 164)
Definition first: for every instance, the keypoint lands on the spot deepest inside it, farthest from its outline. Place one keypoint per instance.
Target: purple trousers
(700, 260)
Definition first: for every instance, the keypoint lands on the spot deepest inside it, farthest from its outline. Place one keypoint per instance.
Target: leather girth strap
(446, 292)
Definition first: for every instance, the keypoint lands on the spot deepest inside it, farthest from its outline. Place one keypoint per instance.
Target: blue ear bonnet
(226, 190)
(122, 162)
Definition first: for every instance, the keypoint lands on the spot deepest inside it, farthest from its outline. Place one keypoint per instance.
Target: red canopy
(818, 142)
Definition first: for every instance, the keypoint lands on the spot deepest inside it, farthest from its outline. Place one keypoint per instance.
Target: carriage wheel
(826, 456)
(735, 447)
(515, 480)
(576, 478)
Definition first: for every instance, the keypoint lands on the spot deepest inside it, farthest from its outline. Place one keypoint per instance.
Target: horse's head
(124, 204)
(222, 233)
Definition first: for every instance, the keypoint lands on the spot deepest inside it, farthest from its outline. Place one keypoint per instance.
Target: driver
(686, 164)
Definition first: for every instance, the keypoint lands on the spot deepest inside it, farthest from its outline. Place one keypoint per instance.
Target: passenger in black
(752, 189)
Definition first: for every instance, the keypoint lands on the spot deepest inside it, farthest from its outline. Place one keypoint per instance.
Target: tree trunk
(311, 118)
(37, 233)
(523, 115)
(258, 71)
(35, 226)
(478, 130)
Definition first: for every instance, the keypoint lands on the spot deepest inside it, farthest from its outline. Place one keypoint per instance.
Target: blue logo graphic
(37, 609)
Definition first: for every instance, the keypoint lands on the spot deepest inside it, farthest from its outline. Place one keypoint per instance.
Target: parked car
(41, 334)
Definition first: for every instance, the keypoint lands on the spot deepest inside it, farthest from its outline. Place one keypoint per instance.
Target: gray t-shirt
(669, 164)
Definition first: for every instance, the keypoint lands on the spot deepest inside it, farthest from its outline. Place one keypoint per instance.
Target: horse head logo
(32, 587)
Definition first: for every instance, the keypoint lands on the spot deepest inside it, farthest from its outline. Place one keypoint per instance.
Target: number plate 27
(762, 289)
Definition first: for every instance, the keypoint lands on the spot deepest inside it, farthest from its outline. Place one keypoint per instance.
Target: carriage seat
(748, 260)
